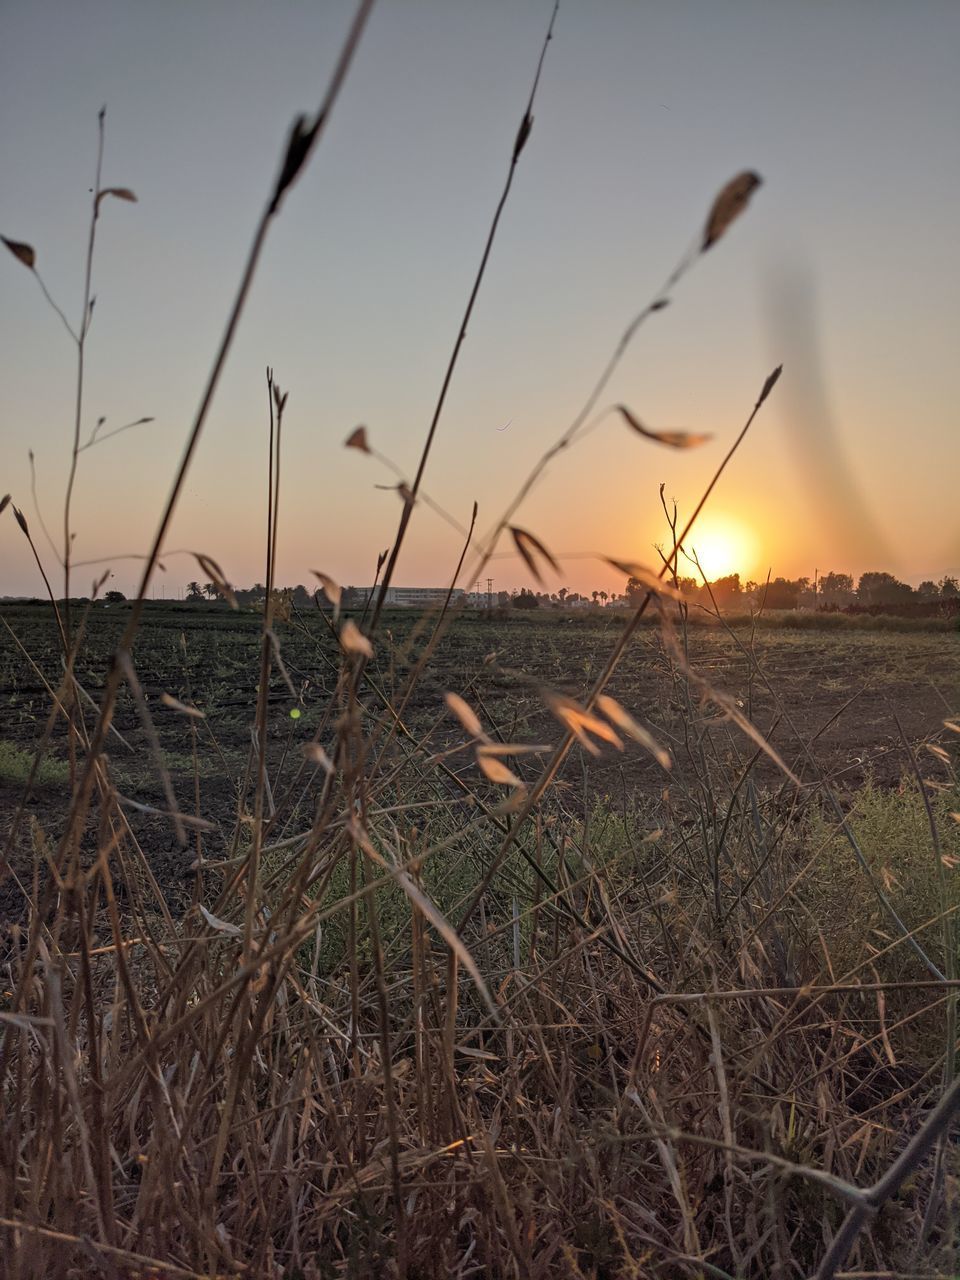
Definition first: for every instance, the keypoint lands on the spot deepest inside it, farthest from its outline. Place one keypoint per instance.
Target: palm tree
(595, 594)
(604, 597)
(193, 591)
(210, 590)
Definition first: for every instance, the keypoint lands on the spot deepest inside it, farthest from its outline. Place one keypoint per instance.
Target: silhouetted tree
(883, 588)
(949, 589)
(635, 592)
(525, 600)
(727, 590)
(836, 589)
(781, 593)
(194, 591)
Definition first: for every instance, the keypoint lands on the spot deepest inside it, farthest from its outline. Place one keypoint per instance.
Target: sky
(844, 268)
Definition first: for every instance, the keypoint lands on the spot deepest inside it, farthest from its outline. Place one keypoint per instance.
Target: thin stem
(53, 599)
(273, 490)
(36, 507)
(81, 340)
(46, 293)
(525, 126)
(95, 439)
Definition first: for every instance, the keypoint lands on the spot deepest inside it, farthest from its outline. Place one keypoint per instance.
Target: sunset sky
(845, 268)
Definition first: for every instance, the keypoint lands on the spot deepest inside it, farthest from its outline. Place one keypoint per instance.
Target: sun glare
(722, 545)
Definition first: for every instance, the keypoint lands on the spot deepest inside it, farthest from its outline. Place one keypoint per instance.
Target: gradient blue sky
(845, 268)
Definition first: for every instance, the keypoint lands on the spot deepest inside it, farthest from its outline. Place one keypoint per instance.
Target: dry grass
(425, 1018)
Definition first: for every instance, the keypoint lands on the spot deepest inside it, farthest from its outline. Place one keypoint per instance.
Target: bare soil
(845, 695)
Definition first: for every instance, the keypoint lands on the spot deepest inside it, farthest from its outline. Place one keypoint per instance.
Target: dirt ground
(842, 693)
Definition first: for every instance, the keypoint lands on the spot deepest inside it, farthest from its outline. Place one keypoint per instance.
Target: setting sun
(722, 545)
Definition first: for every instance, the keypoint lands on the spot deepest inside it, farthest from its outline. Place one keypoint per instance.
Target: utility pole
(489, 593)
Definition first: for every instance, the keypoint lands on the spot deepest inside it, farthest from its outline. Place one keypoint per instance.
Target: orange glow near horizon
(723, 545)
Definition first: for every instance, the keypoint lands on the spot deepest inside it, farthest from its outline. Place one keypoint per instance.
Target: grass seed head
(352, 640)
(24, 253)
(673, 439)
(729, 204)
(357, 439)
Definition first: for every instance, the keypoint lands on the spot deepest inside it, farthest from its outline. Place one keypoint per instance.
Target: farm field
(844, 692)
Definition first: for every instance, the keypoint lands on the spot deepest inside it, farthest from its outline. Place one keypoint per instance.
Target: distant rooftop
(411, 595)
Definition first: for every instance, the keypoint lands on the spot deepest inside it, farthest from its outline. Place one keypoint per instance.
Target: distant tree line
(875, 592)
(284, 598)
(355, 597)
